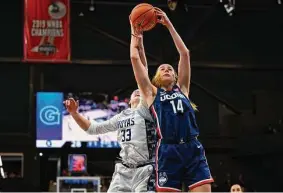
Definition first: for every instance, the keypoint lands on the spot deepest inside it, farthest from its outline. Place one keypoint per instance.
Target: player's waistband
(136, 165)
(180, 141)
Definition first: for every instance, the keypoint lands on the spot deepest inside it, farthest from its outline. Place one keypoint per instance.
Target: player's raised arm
(141, 74)
(91, 127)
(142, 52)
(184, 67)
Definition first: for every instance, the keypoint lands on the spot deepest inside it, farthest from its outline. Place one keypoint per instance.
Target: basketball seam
(150, 21)
(155, 20)
(142, 15)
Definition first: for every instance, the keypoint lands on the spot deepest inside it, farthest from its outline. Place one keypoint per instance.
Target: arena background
(237, 78)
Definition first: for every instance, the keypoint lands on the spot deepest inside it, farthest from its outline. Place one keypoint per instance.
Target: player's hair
(241, 188)
(156, 81)
(130, 104)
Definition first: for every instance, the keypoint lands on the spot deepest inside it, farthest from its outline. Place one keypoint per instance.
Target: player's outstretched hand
(71, 105)
(162, 17)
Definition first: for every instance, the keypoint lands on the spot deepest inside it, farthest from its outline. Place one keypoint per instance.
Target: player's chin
(135, 100)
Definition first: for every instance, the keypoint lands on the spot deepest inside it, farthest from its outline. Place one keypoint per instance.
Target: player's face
(166, 73)
(236, 188)
(135, 97)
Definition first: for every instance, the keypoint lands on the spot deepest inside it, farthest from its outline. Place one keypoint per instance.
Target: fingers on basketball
(158, 10)
(160, 15)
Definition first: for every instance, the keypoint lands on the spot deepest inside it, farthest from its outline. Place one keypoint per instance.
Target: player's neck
(167, 88)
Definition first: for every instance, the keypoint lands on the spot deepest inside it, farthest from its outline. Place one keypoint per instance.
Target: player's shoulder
(131, 111)
(127, 112)
(120, 116)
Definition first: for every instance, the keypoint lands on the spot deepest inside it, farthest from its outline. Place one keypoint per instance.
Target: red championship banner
(47, 31)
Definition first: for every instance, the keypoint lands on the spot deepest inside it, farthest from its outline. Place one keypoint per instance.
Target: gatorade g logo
(50, 115)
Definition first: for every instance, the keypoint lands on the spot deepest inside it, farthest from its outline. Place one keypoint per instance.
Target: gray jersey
(136, 134)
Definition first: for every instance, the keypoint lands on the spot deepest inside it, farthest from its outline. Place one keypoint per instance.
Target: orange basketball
(143, 16)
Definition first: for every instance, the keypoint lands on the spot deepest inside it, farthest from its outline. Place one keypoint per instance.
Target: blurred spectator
(12, 175)
(236, 188)
(52, 186)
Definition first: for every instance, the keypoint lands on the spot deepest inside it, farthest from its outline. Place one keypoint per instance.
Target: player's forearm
(134, 49)
(180, 45)
(81, 121)
(143, 59)
(142, 54)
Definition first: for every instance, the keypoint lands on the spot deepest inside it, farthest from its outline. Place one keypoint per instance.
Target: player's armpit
(143, 110)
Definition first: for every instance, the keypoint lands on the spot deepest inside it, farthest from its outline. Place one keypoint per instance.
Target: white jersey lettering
(171, 97)
(126, 122)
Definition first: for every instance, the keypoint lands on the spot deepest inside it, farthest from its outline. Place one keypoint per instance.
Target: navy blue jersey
(174, 115)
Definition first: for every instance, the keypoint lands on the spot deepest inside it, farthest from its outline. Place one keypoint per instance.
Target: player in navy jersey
(180, 157)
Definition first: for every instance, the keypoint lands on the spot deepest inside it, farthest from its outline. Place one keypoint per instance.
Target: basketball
(143, 16)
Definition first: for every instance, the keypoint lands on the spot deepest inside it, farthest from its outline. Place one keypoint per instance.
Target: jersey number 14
(177, 108)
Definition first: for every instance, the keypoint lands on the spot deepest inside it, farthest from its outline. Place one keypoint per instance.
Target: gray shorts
(127, 179)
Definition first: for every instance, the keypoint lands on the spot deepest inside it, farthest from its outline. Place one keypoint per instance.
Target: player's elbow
(91, 128)
(86, 125)
(134, 58)
(185, 52)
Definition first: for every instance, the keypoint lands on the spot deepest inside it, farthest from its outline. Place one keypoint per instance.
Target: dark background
(236, 72)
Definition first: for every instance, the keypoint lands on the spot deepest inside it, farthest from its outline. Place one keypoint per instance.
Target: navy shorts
(181, 163)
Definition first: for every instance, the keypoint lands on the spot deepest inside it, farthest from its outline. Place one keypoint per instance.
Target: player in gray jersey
(136, 136)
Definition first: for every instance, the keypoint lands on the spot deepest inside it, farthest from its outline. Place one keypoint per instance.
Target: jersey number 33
(126, 135)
